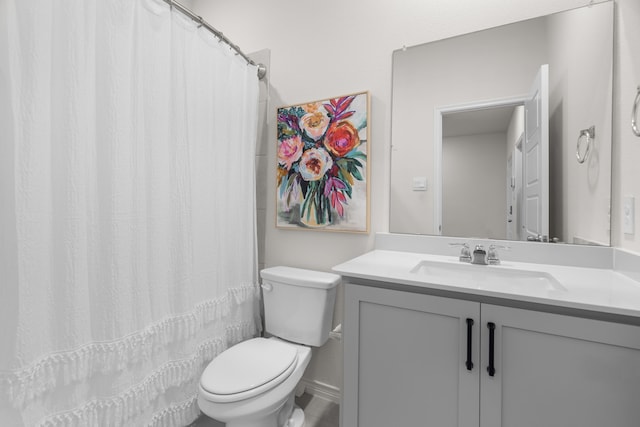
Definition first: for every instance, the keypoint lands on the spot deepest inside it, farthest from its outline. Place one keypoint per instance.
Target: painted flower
(315, 124)
(314, 163)
(311, 107)
(290, 150)
(341, 138)
(337, 108)
(288, 122)
(333, 191)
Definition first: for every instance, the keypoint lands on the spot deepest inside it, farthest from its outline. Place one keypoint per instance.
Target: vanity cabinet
(402, 360)
(406, 364)
(556, 370)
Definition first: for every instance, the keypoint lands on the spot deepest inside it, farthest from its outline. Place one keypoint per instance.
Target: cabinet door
(554, 370)
(405, 357)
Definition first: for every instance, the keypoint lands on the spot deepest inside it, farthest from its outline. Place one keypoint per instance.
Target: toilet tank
(298, 304)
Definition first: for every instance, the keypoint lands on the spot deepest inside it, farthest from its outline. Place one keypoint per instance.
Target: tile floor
(319, 412)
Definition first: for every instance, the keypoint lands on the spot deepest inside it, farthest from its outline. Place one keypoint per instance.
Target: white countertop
(594, 289)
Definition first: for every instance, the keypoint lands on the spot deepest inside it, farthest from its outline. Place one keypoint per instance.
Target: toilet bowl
(264, 396)
(253, 383)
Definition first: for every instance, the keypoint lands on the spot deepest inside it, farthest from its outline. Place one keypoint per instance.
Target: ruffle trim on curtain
(121, 409)
(25, 385)
(181, 414)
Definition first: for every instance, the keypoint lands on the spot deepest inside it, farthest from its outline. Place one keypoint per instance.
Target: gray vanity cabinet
(557, 370)
(406, 364)
(404, 360)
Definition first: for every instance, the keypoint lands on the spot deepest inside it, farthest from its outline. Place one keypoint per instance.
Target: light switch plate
(628, 215)
(419, 183)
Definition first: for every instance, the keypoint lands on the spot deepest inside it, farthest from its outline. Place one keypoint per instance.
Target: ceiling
(487, 120)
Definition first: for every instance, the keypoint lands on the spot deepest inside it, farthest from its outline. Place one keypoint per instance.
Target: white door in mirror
(535, 162)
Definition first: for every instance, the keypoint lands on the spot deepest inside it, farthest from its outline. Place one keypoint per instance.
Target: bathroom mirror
(460, 165)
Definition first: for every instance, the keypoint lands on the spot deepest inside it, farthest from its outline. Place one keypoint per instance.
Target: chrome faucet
(479, 256)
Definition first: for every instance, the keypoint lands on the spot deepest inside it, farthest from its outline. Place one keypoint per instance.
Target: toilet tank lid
(300, 277)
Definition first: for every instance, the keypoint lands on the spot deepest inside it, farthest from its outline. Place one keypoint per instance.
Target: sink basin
(489, 277)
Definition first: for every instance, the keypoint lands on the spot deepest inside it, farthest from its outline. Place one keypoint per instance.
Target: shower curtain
(127, 220)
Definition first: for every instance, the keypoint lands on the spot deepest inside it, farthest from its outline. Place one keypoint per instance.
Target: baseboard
(320, 389)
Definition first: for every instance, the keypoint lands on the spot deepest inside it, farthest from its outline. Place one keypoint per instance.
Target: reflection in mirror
(481, 143)
(463, 163)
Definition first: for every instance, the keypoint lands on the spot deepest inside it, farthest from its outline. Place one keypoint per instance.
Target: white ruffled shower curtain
(127, 220)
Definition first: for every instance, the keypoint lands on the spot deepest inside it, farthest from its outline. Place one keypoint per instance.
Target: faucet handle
(492, 254)
(465, 252)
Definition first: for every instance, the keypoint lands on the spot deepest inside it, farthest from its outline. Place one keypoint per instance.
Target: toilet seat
(248, 369)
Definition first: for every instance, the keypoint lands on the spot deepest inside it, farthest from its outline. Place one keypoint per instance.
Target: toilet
(253, 383)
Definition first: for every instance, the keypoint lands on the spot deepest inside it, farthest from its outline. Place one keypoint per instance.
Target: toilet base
(290, 415)
(297, 418)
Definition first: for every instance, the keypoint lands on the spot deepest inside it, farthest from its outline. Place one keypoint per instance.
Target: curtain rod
(262, 69)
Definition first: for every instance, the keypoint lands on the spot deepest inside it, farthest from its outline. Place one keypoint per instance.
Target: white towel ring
(634, 114)
(588, 135)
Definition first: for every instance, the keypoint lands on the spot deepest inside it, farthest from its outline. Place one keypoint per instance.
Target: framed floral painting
(322, 172)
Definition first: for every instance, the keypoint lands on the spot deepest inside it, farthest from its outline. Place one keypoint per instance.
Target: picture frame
(322, 171)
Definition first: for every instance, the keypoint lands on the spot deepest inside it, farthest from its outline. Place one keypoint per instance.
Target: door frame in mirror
(439, 113)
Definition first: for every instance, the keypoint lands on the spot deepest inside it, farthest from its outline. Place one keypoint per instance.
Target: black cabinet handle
(469, 363)
(491, 368)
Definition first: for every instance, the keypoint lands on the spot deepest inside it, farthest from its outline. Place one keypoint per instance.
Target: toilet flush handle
(267, 287)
